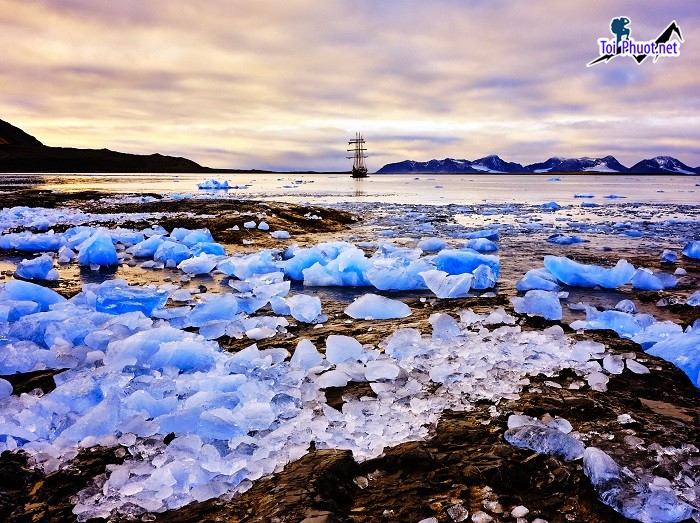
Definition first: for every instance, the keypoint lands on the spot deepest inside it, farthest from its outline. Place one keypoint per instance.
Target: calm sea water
(426, 189)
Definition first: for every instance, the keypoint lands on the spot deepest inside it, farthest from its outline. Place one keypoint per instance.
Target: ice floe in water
(692, 250)
(538, 303)
(39, 268)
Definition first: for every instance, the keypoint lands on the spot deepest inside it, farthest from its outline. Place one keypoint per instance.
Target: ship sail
(359, 169)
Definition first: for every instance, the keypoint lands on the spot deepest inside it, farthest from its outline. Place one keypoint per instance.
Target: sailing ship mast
(359, 169)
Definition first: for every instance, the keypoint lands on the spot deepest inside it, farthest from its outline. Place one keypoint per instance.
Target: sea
(437, 189)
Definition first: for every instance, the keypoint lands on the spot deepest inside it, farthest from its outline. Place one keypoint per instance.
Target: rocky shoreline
(464, 466)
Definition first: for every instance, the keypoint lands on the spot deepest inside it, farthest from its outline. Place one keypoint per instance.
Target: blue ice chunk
(669, 256)
(630, 498)
(551, 206)
(590, 204)
(213, 248)
(538, 303)
(445, 286)
(12, 310)
(540, 279)
(347, 269)
(27, 291)
(397, 273)
(431, 244)
(305, 355)
(139, 348)
(454, 261)
(191, 238)
(564, 239)
(489, 234)
(445, 327)
(28, 242)
(545, 440)
(405, 343)
(169, 250)
(39, 268)
(683, 350)
(375, 307)
(614, 196)
(626, 325)
(202, 264)
(583, 195)
(692, 250)
(304, 308)
(213, 184)
(142, 401)
(117, 297)
(694, 299)
(342, 348)
(185, 355)
(297, 259)
(634, 234)
(146, 248)
(98, 250)
(484, 277)
(223, 307)
(126, 237)
(101, 420)
(247, 265)
(577, 274)
(645, 279)
(481, 245)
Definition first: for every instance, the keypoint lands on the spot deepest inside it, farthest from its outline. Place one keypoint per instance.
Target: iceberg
(551, 206)
(645, 279)
(147, 248)
(577, 274)
(340, 349)
(213, 184)
(431, 244)
(683, 350)
(564, 239)
(375, 307)
(202, 264)
(538, 303)
(170, 251)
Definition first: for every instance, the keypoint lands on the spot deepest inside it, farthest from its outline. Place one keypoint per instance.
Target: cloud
(269, 84)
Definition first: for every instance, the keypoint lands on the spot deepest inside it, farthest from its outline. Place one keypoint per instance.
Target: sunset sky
(283, 85)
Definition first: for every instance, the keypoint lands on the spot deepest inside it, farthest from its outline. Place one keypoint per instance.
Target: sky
(280, 85)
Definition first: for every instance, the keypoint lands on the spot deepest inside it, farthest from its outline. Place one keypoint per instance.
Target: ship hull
(359, 173)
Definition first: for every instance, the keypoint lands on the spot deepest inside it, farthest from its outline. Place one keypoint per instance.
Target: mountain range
(494, 164)
(21, 152)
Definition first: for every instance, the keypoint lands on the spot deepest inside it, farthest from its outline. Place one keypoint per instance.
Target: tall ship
(359, 169)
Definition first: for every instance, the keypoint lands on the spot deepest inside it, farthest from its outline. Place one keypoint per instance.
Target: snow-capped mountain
(448, 166)
(495, 164)
(607, 164)
(663, 164)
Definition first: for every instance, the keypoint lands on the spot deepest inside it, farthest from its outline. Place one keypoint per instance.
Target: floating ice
(214, 184)
(446, 286)
(545, 440)
(39, 268)
(216, 308)
(580, 275)
(626, 306)
(66, 255)
(347, 269)
(280, 235)
(551, 206)
(692, 250)
(98, 250)
(247, 265)
(583, 195)
(538, 303)
(453, 261)
(374, 307)
(398, 270)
